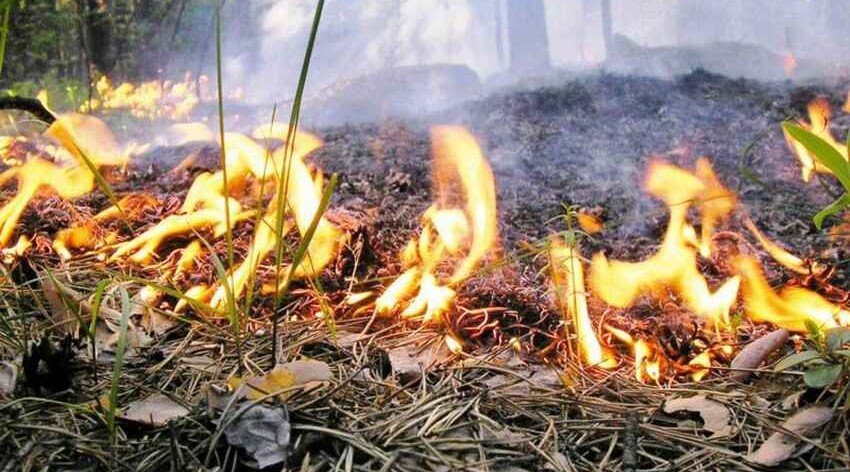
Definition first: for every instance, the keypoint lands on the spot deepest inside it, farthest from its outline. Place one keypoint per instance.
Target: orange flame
(152, 99)
(448, 230)
(780, 255)
(819, 116)
(789, 64)
(648, 362)
(568, 285)
(674, 265)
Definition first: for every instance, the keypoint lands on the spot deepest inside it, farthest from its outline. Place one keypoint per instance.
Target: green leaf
(118, 365)
(838, 205)
(796, 359)
(822, 151)
(822, 376)
(836, 338)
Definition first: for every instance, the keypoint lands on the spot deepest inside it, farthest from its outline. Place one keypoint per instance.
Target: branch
(32, 106)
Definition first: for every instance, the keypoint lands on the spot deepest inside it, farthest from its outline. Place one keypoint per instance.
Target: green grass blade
(118, 365)
(835, 207)
(6, 9)
(822, 151)
(223, 157)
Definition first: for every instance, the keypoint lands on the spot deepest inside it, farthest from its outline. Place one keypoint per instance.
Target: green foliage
(825, 361)
(831, 159)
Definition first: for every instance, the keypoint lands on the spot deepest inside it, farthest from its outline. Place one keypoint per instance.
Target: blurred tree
(528, 42)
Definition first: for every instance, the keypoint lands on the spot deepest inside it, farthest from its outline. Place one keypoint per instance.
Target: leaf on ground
(8, 378)
(408, 362)
(155, 410)
(822, 376)
(754, 354)
(63, 318)
(263, 432)
(780, 445)
(282, 377)
(716, 417)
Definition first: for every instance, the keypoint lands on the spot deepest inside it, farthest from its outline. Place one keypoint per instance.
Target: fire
(568, 284)
(791, 309)
(648, 364)
(152, 99)
(780, 255)
(85, 140)
(819, 116)
(789, 64)
(674, 266)
(448, 229)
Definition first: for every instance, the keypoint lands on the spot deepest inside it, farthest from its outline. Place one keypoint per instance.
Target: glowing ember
(568, 281)
(819, 116)
(448, 230)
(674, 266)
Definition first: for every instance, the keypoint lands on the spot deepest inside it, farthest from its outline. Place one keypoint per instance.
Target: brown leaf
(755, 353)
(282, 377)
(155, 410)
(780, 446)
(8, 378)
(716, 417)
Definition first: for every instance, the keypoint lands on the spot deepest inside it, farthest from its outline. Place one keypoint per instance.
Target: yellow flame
(790, 309)
(454, 346)
(702, 363)
(674, 265)
(152, 99)
(448, 230)
(780, 255)
(819, 116)
(568, 281)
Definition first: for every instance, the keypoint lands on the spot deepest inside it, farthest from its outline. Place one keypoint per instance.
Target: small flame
(454, 346)
(780, 255)
(702, 365)
(568, 281)
(819, 116)
(152, 99)
(448, 230)
(789, 64)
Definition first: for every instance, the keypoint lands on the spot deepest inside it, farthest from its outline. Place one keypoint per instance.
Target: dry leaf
(755, 353)
(408, 362)
(781, 446)
(63, 318)
(715, 416)
(263, 431)
(155, 410)
(282, 377)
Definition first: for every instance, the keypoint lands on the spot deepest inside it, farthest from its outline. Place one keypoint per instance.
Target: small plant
(827, 155)
(825, 361)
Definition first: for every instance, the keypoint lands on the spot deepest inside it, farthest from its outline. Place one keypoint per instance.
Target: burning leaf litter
(704, 270)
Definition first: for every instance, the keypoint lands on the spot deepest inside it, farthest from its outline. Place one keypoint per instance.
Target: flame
(152, 99)
(647, 360)
(790, 309)
(568, 281)
(789, 64)
(448, 230)
(85, 141)
(780, 255)
(674, 266)
(819, 117)
(702, 364)
(454, 346)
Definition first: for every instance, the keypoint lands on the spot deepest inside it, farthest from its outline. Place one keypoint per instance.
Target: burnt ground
(582, 142)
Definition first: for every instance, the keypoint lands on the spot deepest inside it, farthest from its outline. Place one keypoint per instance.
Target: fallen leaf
(155, 410)
(715, 416)
(63, 318)
(755, 353)
(780, 446)
(282, 377)
(263, 432)
(408, 362)
(8, 378)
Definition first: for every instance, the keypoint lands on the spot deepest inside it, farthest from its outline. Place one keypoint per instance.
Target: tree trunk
(607, 29)
(99, 32)
(528, 43)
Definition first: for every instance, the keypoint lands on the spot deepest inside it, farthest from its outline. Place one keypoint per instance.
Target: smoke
(748, 38)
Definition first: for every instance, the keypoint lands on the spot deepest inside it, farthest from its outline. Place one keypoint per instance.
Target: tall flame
(448, 230)
(568, 285)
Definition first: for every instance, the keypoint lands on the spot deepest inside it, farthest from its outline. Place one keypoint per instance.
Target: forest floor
(393, 397)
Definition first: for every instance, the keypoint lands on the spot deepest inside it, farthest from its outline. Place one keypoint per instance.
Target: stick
(32, 106)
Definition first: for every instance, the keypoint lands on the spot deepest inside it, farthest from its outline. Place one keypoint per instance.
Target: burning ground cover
(552, 278)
